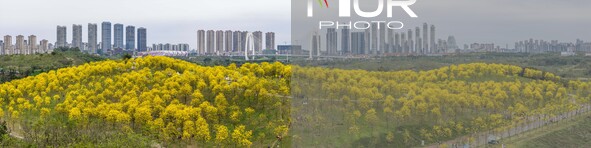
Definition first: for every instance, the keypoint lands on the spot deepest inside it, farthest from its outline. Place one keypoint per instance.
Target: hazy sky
(167, 21)
(176, 21)
(474, 21)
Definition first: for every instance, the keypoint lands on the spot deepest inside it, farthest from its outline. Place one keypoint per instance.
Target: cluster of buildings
(540, 46)
(24, 46)
(378, 39)
(482, 47)
(229, 42)
(170, 47)
(114, 38)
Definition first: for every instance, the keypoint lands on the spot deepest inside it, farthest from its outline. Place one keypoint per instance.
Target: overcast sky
(176, 21)
(167, 21)
(502, 22)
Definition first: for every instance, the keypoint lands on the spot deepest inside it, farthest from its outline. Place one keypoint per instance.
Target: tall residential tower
(92, 38)
(118, 35)
(142, 39)
(77, 36)
(130, 38)
(61, 36)
(270, 40)
(105, 37)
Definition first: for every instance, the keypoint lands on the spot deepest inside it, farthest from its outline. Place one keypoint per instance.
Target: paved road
(482, 138)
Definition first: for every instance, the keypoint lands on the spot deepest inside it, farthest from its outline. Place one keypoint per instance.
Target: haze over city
(176, 21)
(170, 21)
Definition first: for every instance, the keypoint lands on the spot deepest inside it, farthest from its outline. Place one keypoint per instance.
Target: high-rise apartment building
(2, 47)
(201, 42)
(92, 38)
(383, 32)
(258, 41)
(20, 44)
(418, 43)
(228, 41)
(432, 47)
(61, 37)
(44, 46)
(397, 46)
(105, 37)
(32, 45)
(270, 40)
(237, 41)
(367, 39)
(219, 42)
(8, 45)
(410, 42)
(357, 42)
(77, 36)
(210, 42)
(243, 36)
(118, 36)
(130, 38)
(426, 38)
(346, 40)
(403, 43)
(375, 41)
(331, 41)
(316, 45)
(142, 39)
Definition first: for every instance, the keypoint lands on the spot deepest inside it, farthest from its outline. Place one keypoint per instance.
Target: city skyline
(515, 22)
(164, 26)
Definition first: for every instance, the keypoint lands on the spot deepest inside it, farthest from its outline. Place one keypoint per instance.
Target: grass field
(569, 134)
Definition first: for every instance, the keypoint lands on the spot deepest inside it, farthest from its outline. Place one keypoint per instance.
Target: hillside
(20, 66)
(353, 108)
(169, 102)
(151, 100)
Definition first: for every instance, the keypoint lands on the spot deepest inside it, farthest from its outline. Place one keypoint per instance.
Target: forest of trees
(149, 101)
(404, 108)
(160, 100)
(14, 67)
